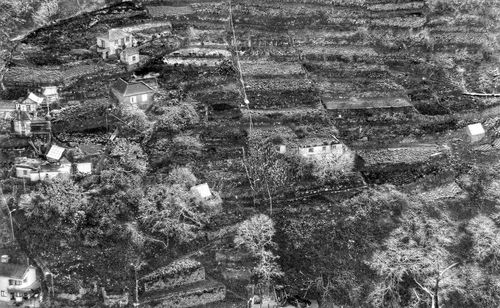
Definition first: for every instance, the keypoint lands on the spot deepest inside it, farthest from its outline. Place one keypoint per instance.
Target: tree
(256, 235)
(176, 118)
(59, 203)
(130, 156)
(45, 12)
(172, 210)
(266, 169)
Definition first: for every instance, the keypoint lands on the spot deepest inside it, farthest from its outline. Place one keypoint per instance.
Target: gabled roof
(114, 34)
(13, 270)
(37, 99)
(131, 88)
(131, 51)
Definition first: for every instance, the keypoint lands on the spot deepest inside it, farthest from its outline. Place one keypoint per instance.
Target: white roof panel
(35, 98)
(55, 152)
(203, 190)
(475, 129)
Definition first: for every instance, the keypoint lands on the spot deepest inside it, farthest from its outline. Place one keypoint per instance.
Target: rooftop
(203, 190)
(131, 88)
(114, 34)
(12, 270)
(37, 99)
(131, 51)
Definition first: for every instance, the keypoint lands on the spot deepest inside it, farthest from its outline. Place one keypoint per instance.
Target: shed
(203, 190)
(475, 131)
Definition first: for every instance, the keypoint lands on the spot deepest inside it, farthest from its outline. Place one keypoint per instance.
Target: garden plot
(263, 68)
(447, 191)
(320, 37)
(349, 53)
(343, 71)
(277, 93)
(384, 7)
(50, 75)
(407, 155)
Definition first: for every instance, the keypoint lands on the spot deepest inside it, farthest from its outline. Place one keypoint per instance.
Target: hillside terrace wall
(181, 272)
(200, 293)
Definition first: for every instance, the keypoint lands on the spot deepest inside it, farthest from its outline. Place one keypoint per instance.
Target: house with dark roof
(18, 282)
(130, 55)
(136, 93)
(112, 43)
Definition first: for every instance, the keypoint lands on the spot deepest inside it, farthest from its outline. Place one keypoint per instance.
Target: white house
(111, 43)
(50, 94)
(18, 283)
(321, 149)
(475, 131)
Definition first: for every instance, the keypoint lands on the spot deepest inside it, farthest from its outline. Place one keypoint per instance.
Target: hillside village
(323, 153)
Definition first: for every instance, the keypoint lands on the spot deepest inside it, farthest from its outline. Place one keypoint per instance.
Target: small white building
(51, 95)
(321, 149)
(475, 132)
(203, 190)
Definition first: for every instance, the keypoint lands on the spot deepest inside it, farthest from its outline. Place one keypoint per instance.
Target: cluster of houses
(37, 169)
(26, 115)
(117, 43)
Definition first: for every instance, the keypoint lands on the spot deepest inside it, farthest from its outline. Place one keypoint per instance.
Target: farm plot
(270, 68)
(281, 92)
(50, 75)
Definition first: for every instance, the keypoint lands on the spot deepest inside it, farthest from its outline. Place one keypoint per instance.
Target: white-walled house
(50, 94)
(135, 93)
(18, 282)
(111, 43)
(312, 150)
